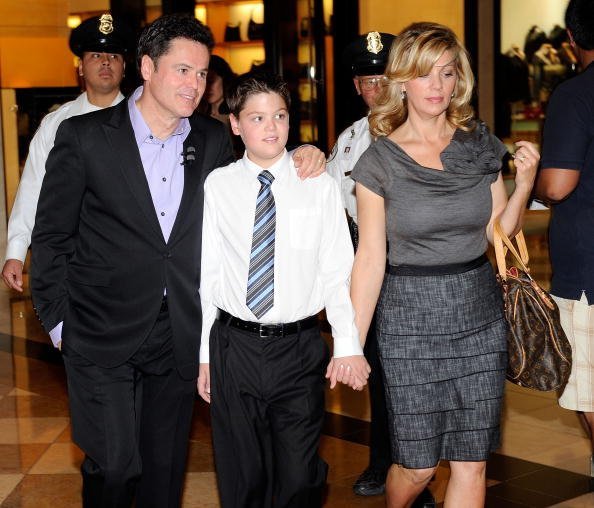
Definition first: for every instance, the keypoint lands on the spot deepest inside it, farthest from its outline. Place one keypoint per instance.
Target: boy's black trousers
(267, 411)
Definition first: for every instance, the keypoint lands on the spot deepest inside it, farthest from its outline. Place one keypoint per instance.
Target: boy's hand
(204, 382)
(349, 370)
(309, 161)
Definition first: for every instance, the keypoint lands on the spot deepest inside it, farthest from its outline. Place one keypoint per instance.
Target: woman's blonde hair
(414, 53)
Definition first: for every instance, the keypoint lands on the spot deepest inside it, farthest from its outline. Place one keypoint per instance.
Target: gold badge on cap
(374, 42)
(106, 24)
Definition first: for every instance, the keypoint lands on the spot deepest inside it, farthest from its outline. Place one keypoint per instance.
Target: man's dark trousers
(112, 402)
(267, 413)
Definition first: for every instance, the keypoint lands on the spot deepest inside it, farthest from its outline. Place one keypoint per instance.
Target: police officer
(367, 57)
(100, 43)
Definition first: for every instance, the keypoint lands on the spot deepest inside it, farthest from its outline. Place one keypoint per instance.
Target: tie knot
(266, 178)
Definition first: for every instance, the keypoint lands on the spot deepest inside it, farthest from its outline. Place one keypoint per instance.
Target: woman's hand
(526, 161)
(510, 212)
(352, 371)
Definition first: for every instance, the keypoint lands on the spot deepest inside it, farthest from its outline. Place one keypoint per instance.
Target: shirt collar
(119, 98)
(87, 104)
(278, 169)
(142, 132)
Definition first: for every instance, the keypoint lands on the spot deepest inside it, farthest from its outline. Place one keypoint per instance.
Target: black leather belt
(267, 330)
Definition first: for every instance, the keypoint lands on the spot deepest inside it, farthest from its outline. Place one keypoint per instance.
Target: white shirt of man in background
(367, 58)
(101, 66)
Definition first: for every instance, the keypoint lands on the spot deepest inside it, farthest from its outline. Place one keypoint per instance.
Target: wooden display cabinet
(217, 14)
(316, 72)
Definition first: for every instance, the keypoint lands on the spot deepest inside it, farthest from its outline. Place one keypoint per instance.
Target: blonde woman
(432, 184)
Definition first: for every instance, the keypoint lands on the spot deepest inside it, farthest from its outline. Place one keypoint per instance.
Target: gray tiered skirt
(442, 343)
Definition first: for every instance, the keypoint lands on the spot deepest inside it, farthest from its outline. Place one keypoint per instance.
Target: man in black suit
(116, 265)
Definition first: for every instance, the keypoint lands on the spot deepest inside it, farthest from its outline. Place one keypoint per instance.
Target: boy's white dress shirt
(313, 250)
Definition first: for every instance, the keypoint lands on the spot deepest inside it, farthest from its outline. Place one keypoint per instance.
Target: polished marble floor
(543, 460)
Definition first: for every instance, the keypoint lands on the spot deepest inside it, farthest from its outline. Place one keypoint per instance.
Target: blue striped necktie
(260, 286)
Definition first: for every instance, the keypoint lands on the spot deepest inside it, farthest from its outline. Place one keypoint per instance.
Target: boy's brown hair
(253, 83)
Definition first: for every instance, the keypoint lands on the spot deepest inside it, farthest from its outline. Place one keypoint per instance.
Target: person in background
(218, 81)
(366, 57)
(566, 181)
(431, 183)
(100, 43)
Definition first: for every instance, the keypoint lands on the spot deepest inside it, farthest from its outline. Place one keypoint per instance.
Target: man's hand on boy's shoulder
(349, 370)
(309, 161)
(203, 382)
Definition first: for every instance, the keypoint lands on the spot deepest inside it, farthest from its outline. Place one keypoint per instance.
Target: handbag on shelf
(257, 65)
(539, 354)
(304, 27)
(255, 30)
(232, 32)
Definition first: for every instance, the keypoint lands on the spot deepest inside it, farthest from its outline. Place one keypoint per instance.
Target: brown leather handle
(521, 254)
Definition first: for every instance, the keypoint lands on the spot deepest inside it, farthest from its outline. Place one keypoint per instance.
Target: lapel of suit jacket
(193, 179)
(120, 134)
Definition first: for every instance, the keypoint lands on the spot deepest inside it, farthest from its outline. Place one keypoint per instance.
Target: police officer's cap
(368, 54)
(100, 33)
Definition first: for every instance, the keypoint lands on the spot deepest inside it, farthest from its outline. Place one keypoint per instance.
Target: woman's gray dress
(441, 337)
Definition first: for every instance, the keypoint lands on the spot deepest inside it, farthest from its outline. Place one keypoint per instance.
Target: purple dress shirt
(162, 163)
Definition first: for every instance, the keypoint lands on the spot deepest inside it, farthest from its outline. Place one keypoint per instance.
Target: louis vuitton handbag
(539, 354)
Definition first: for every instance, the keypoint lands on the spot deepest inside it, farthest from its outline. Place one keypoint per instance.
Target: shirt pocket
(304, 228)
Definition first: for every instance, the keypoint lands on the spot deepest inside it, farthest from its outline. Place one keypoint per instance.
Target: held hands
(204, 381)
(12, 273)
(349, 370)
(526, 161)
(309, 161)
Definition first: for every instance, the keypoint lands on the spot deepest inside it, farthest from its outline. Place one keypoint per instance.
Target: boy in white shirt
(275, 252)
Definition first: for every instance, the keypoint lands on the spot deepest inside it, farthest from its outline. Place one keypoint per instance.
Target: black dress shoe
(424, 500)
(371, 483)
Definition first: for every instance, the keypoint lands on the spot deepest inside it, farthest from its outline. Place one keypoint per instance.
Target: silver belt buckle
(264, 333)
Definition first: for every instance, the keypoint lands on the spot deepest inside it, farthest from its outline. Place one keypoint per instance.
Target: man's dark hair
(155, 39)
(579, 20)
(254, 83)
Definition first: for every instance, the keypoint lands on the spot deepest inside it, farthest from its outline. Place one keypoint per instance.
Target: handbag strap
(520, 244)
(499, 239)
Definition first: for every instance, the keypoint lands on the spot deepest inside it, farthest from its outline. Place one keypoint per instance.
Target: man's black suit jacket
(100, 263)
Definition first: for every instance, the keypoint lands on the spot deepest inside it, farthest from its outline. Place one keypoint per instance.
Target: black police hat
(368, 54)
(100, 33)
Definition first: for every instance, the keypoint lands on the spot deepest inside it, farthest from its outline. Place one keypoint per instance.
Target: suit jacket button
(167, 255)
